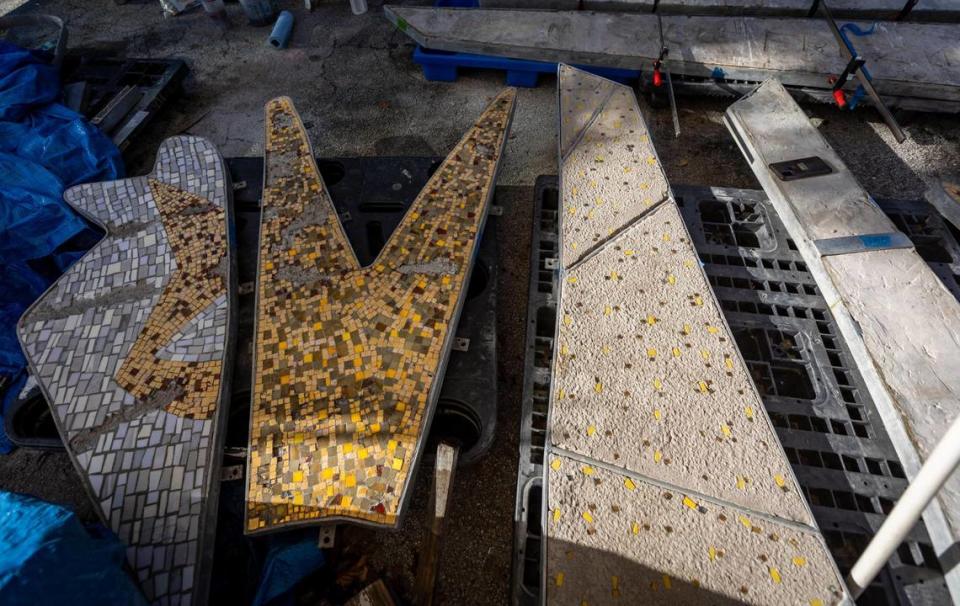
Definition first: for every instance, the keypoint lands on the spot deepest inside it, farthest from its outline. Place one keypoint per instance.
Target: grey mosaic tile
(131, 347)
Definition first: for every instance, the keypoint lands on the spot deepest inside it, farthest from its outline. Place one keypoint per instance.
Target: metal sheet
(855, 244)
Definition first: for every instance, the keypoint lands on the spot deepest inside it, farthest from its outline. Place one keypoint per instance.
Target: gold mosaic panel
(194, 228)
(347, 356)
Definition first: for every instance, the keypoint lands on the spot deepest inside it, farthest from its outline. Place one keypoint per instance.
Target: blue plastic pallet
(442, 66)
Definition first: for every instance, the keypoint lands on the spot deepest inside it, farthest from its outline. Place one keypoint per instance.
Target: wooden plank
(428, 560)
(375, 594)
(944, 195)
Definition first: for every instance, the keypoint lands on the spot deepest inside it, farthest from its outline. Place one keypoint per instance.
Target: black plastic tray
(824, 416)
(153, 82)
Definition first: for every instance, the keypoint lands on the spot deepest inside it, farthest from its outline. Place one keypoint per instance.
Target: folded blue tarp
(45, 148)
(47, 557)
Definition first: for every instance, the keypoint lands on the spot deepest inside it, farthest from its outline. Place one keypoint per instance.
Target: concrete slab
(794, 8)
(348, 358)
(605, 149)
(617, 537)
(563, 5)
(132, 349)
(900, 321)
(924, 10)
(635, 6)
(906, 60)
(648, 383)
(648, 377)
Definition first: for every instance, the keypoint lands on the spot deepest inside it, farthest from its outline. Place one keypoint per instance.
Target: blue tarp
(45, 148)
(289, 560)
(47, 557)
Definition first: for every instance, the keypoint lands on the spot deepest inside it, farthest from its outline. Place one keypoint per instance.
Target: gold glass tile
(347, 357)
(194, 228)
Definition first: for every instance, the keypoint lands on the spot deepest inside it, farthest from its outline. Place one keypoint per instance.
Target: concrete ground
(354, 83)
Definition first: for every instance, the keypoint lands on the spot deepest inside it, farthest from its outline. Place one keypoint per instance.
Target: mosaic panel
(605, 151)
(130, 347)
(347, 357)
(642, 339)
(618, 538)
(658, 442)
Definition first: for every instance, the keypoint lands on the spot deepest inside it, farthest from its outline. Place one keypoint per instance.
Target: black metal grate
(830, 429)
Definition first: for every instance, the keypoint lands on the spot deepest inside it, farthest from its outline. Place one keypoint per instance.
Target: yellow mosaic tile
(194, 228)
(347, 357)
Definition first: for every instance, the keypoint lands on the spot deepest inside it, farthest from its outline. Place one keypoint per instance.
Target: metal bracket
(117, 108)
(327, 536)
(849, 71)
(862, 243)
(345, 217)
(246, 288)
(238, 185)
(235, 452)
(863, 78)
(461, 344)
(228, 473)
(496, 211)
(906, 10)
(551, 263)
(661, 62)
(802, 168)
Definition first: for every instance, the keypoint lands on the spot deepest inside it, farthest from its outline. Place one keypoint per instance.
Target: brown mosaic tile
(194, 229)
(347, 357)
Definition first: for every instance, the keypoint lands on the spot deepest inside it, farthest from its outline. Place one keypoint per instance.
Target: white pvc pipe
(938, 467)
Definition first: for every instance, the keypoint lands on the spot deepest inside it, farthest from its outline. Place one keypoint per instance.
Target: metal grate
(816, 398)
